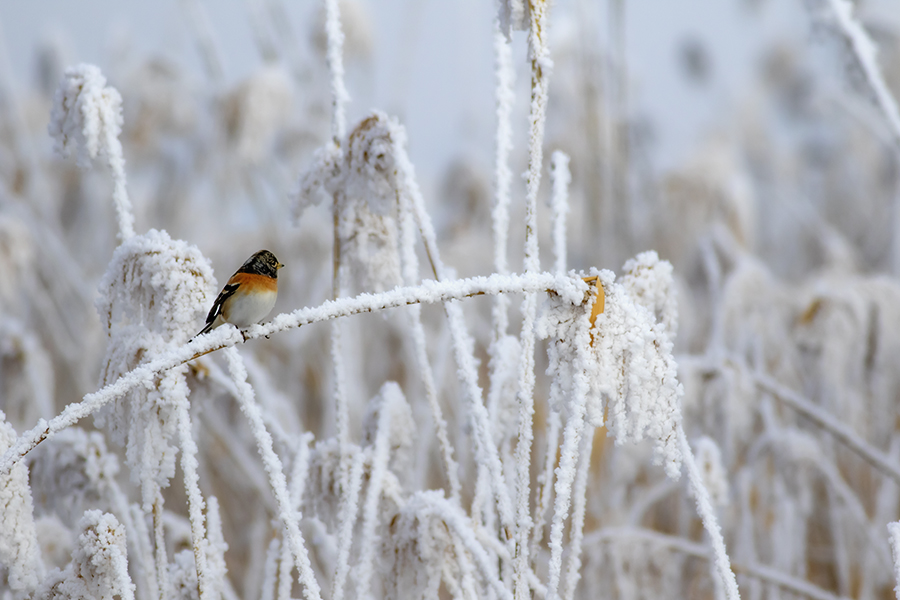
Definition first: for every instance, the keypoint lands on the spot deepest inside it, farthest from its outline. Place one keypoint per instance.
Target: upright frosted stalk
(339, 96)
(540, 68)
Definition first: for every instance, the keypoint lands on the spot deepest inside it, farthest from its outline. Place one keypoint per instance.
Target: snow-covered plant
(529, 444)
(87, 117)
(23, 568)
(99, 567)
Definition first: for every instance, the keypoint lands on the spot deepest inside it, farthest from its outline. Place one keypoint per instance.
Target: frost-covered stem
(450, 466)
(247, 468)
(467, 584)
(540, 67)
(492, 543)
(576, 531)
(708, 516)
(433, 503)
(505, 96)
(285, 566)
(270, 570)
(202, 29)
(831, 424)
(299, 469)
(867, 54)
(159, 539)
(347, 518)
(119, 562)
(195, 498)
(339, 370)
(428, 292)
(116, 163)
(272, 465)
(568, 459)
(144, 550)
(545, 481)
(540, 71)
(486, 452)
(335, 58)
(523, 446)
(391, 395)
(785, 581)
(410, 276)
(561, 178)
(894, 536)
(342, 411)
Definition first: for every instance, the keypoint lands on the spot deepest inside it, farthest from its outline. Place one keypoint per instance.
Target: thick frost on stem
(568, 457)
(87, 115)
(540, 67)
(504, 97)
(708, 516)
(410, 271)
(576, 529)
(272, 464)
(524, 441)
(195, 498)
(545, 479)
(512, 15)
(347, 519)
(19, 550)
(540, 79)
(161, 555)
(335, 56)
(394, 428)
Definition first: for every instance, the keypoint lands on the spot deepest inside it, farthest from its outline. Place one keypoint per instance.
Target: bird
(249, 294)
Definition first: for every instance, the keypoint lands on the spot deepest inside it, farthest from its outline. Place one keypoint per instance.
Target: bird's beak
(279, 266)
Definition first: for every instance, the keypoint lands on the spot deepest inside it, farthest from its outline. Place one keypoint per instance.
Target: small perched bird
(248, 296)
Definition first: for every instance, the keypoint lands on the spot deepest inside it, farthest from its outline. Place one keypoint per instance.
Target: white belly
(247, 310)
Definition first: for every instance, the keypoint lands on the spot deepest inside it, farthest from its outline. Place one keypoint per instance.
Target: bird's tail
(207, 329)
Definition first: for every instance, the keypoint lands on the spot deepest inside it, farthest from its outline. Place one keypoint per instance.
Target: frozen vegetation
(597, 381)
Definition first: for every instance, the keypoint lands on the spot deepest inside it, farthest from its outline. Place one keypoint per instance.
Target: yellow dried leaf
(600, 302)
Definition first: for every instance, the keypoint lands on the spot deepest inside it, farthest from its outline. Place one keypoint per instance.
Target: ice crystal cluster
(599, 381)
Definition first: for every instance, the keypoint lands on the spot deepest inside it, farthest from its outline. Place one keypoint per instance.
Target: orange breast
(250, 282)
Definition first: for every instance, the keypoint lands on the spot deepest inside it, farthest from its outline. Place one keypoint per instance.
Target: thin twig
(829, 423)
(764, 573)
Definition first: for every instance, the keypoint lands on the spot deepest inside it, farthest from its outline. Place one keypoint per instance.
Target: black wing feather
(227, 292)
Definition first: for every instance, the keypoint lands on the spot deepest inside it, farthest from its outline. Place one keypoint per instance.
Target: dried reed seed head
(157, 283)
(86, 115)
(371, 161)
